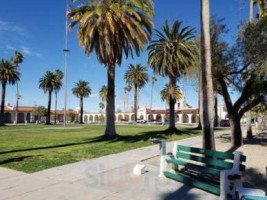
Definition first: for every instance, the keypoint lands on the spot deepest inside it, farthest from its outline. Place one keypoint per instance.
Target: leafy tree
(111, 29)
(81, 90)
(8, 75)
(245, 71)
(170, 54)
(60, 76)
(49, 83)
(16, 60)
(39, 112)
(136, 76)
(166, 92)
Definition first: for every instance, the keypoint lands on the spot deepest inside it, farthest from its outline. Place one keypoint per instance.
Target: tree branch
(225, 94)
(241, 70)
(249, 106)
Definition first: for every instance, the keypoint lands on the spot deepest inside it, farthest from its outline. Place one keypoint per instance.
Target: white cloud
(9, 27)
(26, 51)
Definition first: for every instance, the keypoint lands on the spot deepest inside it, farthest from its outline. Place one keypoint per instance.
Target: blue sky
(36, 28)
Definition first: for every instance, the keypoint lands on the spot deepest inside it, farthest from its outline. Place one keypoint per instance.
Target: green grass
(35, 147)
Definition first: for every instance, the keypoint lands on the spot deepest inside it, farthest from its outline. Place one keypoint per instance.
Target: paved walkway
(109, 177)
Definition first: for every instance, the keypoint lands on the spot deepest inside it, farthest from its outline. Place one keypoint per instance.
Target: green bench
(213, 171)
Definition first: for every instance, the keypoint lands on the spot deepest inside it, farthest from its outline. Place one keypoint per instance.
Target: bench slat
(215, 189)
(208, 161)
(203, 169)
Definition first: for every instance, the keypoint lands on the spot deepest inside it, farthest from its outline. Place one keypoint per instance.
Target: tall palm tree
(111, 29)
(166, 92)
(103, 93)
(81, 90)
(206, 79)
(153, 82)
(137, 76)
(170, 54)
(17, 59)
(8, 75)
(59, 76)
(262, 7)
(127, 90)
(49, 82)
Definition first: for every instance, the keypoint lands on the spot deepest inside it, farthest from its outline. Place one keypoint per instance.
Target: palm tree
(170, 54)
(262, 7)
(166, 92)
(153, 82)
(127, 90)
(81, 90)
(8, 75)
(17, 59)
(137, 76)
(60, 76)
(101, 106)
(111, 29)
(103, 93)
(49, 82)
(206, 79)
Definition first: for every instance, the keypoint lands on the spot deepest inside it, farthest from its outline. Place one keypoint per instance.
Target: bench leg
(163, 165)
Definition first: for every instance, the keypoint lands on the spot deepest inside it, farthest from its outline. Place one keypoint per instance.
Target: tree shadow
(17, 159)
(260, 139)
(144, 136)
(181, 194)
(253, 179)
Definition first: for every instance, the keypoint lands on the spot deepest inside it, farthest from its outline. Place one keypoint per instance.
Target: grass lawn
(36, 147)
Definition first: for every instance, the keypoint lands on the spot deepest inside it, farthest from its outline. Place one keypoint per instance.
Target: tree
(17, 59)
(103, 93)
(39, 112)
(59, 76)
(136, 76)
(8, 75)
(153, 82)
(206, 79)
(127, 90)
(111, 29)
(244, 71)
(48, 83)
(262, 7)
(170, 54)
(101, 106)
(166, 92)
(81, 90)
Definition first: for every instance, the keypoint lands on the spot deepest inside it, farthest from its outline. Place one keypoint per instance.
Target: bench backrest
(213, 159)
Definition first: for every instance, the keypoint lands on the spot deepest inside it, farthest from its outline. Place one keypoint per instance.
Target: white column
(25, 117)
(163, 117)
(154, 116)
(117, 117)
(180, 118)
(93, 118)
(189, 118)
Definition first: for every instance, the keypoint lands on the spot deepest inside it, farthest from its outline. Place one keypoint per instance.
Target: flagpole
(66, 51)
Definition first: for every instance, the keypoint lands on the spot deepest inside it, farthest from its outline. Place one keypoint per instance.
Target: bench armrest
(230, 179)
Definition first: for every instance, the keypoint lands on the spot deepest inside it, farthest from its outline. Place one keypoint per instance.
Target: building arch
(185, 118)
(127, 118)
(141, 117)
(85, 119)
(132, 117)
(91, 118)
(101, 118)
(158, 118)
(177, 118)
(28, 117)
(96, 118)
(7, 118)
(21, 118)
(120, 117)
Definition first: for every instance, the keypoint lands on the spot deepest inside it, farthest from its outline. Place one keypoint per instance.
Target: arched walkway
(91, 118)
(127, 118)
(7, 118)
(185, 118)
(101, 118)
(21, 118)
(28, 117)
(159, 118)
(132, 118)
(85, 120)
(195, 118)
(141, 117)
(120, 118)
(177, 118)
(96, 118)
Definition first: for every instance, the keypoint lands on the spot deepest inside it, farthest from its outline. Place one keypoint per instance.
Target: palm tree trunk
(172, 105)
(49, 108)
(56, 108)
(207, 98)
(216, 121)
(110, 131)
(2, 113)
(135, 101)
(81, 111)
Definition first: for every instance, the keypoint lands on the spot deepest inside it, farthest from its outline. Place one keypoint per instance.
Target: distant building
(26, 114)
(184, 113)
